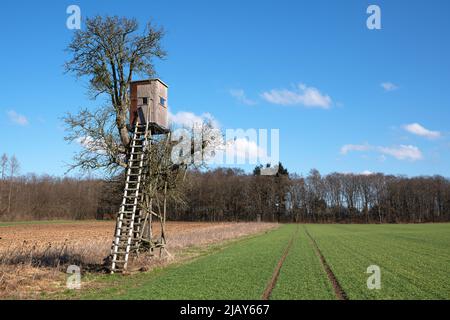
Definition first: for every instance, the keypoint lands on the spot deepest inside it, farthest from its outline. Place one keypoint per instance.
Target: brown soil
(34, 257)
(58, 233)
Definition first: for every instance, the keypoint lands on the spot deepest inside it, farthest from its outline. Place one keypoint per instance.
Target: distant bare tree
(334, 186)
(350, 191)
(366, 190)
(14, 167)
(4, 170)
(379, 194)
(4, 165)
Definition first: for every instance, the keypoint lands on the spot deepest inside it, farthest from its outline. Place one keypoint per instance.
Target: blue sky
(345, 98)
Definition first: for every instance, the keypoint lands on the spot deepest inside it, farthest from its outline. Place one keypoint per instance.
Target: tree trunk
(9, 198)
(122, 127)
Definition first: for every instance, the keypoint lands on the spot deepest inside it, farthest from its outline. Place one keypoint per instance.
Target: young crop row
(302, 276)
(238, 271)
(414, 260)
(323, 262)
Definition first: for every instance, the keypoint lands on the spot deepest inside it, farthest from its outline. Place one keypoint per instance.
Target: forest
(228, 194)
(231, 194)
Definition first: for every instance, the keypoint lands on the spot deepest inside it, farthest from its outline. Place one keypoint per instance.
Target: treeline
(233, 195)
(230, 194)
(32, 197)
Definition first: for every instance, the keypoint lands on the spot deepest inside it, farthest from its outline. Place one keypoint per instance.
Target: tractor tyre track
(338, 291)
(273, 281)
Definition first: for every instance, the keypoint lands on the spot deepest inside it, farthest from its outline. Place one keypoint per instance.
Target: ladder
(128, 222)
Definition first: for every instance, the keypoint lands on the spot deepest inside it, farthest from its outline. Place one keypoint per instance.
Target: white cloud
(189, 119)
(238, 151)
(389, 86)
(243, 148)
(402, 152)
(355, 147)
(240, 96)
(302, 95)
(419, 130)
(363, 173)
(17, 118)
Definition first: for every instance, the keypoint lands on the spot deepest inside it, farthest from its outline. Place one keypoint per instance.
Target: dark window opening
(144, 100)
(162, 101)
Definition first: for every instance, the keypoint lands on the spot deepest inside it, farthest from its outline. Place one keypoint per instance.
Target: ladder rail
(127, 232)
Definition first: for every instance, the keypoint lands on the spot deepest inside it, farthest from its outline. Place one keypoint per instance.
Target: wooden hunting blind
(149, 104)
(142, 192)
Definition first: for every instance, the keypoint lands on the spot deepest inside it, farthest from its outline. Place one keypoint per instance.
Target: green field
(414, 261)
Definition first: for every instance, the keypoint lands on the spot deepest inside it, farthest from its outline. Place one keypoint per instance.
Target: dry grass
(33, 258)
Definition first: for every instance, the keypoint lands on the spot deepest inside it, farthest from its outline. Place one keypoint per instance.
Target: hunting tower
(145, 185)
(149, 104)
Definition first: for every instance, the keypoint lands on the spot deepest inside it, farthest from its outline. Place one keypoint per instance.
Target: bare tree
(109, 52)
(350, 188)
(14, 167)
(366, 191)
(334, 187)
(4, 169)
(4, 165)
(379, 193)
